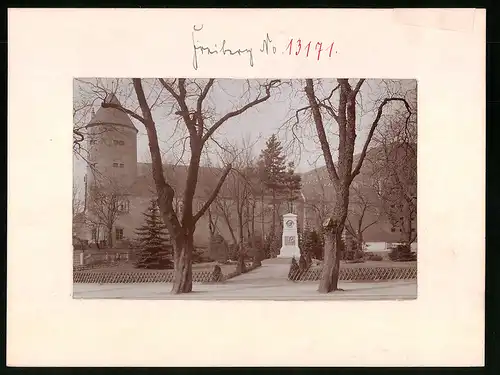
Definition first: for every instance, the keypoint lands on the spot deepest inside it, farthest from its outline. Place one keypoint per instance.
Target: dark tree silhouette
(155, 246)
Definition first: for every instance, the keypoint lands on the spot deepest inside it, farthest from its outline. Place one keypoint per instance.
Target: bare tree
(319, 200)
(106, 203)
(363, 211)
(77, 202)
(212, 221)
(237, 202)
(201, 124)
(396, 174)
(341, 176)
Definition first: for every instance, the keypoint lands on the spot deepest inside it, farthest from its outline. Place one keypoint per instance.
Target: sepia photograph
(245, 189)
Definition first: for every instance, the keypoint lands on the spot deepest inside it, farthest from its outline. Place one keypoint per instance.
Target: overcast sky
(257, 124)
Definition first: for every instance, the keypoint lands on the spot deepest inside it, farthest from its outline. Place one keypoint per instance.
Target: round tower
(112, 147)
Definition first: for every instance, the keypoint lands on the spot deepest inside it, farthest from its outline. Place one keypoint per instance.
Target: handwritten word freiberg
(306, 49)
(216, 50)
(266, 48)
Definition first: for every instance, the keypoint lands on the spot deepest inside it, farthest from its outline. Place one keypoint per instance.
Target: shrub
(272, 245)
(311, 243)
(218, 249)
(256, 251)
(200, 255)
(257, 256)
(354, 255)
(374, 257)
(294, 273)
(80, 244)
(402, 253)
(233, 252)
(216, 274)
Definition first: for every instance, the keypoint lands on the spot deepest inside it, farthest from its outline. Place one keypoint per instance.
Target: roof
(176, 176)
(111, 116)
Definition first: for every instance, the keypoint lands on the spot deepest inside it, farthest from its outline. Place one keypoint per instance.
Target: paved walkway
(272, 271)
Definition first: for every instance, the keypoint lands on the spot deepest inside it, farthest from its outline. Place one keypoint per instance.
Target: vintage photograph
(245, 189)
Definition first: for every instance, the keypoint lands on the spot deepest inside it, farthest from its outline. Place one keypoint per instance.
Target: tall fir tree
(155, 244)
(273, 172)
(292, 185)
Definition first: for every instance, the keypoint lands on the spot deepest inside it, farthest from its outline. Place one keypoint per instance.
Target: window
(121, 165)
(123, 205)
(118, 142)
(115, 165)
(119, 233)
(393, 229)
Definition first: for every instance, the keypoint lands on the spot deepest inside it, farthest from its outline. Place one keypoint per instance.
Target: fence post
(126, 256)
(106, 257)
(81, 259)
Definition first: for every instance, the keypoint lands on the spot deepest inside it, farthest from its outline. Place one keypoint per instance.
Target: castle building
(127, 186)
(118, 190)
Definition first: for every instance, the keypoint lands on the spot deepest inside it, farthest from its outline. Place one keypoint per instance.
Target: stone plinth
(290, 238)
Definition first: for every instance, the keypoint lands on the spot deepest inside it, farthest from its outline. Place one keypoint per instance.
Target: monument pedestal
(288, 252)
(290, 238)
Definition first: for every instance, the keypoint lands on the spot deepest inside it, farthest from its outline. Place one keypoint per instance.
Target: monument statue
(290, 238)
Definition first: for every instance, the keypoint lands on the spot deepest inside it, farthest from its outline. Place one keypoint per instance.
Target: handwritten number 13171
(306, 48)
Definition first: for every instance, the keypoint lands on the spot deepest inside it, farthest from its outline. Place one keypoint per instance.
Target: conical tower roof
(111, 116)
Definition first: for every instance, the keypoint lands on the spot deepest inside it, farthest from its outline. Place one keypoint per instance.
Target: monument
(290, 238)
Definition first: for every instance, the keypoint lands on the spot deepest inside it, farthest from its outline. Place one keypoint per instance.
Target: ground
(268, 282)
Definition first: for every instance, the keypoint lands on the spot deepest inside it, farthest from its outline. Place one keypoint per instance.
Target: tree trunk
(333, 243)
(273, 225)
(410, 235)
(262, 225)
(360, 243)
(241, 267)
(241, 246)
(247, 219)
(183, 269)
(253, 221)
(110, 237)
(331, 263)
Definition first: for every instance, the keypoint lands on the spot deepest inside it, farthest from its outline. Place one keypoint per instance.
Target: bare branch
(358, 86)
(169, 88)
(325, 147)
(199, 104)
(357, 169)
(214, 193)
(237, 112)
(125, 110)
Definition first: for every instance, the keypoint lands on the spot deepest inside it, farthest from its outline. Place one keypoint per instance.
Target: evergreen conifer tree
(273, 172)
(292, 184)
(154, 241)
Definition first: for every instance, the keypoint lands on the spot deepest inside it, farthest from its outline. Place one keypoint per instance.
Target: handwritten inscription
(267, 47)
(223, 49)
(297, 48)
